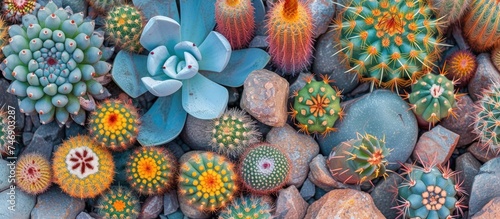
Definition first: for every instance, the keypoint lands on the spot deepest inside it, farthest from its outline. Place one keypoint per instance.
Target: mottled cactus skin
(388, 42)
(264, 169)
(118, 202)
(207, 181)
(290, 39)
(317, 106)
(14, 10)
(151, 170)
(114, 124)
(359, 160)
(105, 5)
(247, 207)
(461, 66)
(481, 25)
(33, 173)
(235, 20)
(82, 168)
(52, 62)
(486, 123)
(3, 35)
(450, 11)
(124, 26)
(432, 97)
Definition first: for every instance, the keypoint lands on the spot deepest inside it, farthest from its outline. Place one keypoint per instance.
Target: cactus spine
(487, 124)
(118, 202)
(33, 174)
(235, 20)
(461, 66)
(14, 10)
(247, 207)
(450, 10)
(481, 25)
(124, 26)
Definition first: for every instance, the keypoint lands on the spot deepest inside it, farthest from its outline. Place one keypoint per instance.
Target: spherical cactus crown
(207, 181)
(114, 124)
(481, 25)
(247, 207)
(461, 66)
(264, 169)
(359, 160)
(52, 60)
(151, 170)
(118, 202)
(14, 10)
(235, 20)
(33, 174)
(82, 168)
(124, 26)
(486, 123)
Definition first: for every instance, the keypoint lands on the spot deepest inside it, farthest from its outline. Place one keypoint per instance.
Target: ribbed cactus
(461, 66)
(495, 57)
(388, 42)
(151, 170)
(235, 20)
(359, 160)
(52, 61)
(14, 10)
(3, 35)
(317, 106)
(247, 207)
(432, 97)
(82, 168)
(233, 132)
(4, 132)
(487, 124)
(450, 11)
(33, 173)
(481, 24)
(289, 25)
(118, 202)
(264, 168)
(114, 124)
(207, 181)
(105, 5)
(124, 26)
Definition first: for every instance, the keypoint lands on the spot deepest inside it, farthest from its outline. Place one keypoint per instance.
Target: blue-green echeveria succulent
(186, 67)
(52, 60)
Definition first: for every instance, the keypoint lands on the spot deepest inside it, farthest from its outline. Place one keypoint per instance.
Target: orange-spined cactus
(235, 20)
(461, 66)
(290, 40)
(33, 174)
(481, 25)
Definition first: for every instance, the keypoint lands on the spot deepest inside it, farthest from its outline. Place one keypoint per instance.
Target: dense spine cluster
(247, 207)
(481, 25)
(235, 20)
(124, 26)
(487, 121)
(461, 66)
(33, 174)
(118, 202)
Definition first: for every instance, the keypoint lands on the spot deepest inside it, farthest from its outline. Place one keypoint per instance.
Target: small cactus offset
(233, 132)
(481, 25)
(247, 207)
(359, 160)
(461, 66)
(82, 168)
(118, 202)
(124, 26)
(289, 25)
(33, 174)
(432, 97)
(114, 124)
(105, 5)
(207, 181)
(317, 106)
(264, 169)
(235, 20)
(14, 10)
(151, 170)
(450, 10)
(486, 123)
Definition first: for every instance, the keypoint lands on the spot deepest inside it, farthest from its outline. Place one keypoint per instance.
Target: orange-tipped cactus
(235, 20)
(33, 174)
(290, 40)
(461, 66)
(481, 25)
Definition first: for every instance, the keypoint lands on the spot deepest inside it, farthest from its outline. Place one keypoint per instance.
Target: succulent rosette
(185, 68)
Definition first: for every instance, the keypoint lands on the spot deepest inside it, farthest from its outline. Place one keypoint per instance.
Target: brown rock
(482, 152)
(152, 207)
(321, 176)
(264, 97)
(490, 210)
(290, 205)
(461, 124)
(435, 146)
(344, 203)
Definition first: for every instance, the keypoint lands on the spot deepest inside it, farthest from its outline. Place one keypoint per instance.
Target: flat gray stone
(307, 190)
(16, 204)
(467, 167)
(197, 133)
(6, 167)
(486, 75)
(152, 207)
(384, 195)
(56, 204)
(170, 202)
(485, 186)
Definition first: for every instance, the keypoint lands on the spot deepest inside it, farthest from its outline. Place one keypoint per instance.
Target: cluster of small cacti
(317, 106)
(118, 202)
(235, 20)
(461, 66)
(124, 26)
(13, 10)
(359, 160)
(481, 25)
(486, 123)
(33, 173)
(247, 207)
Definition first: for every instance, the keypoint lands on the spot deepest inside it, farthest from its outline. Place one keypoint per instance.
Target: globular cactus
(388, 42)
(359, 160)
(124, 26)
(486, 123)
(14, 10)
(264, 169)
(450, 11)
(247, 207)
(82, 168)
(3, 35)
(317, 106)
(118, 202)
(207, 181)
(33, 173)
(52, 61)
(290, 39)
(114, 124)
(495, 57)
(461, 66)
(105, 5)
(481, 25)
(235, 20)
(151, 170)
(233, 132)
(432, 97)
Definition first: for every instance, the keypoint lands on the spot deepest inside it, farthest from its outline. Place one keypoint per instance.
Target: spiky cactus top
(13, 10)
(317, 106)
(3, 35)
(82, 168)
(124, 26)
(359, 160)
(118, 202)
(388, 42)
(33, 174)
(207, 181)
(52, 60)
(461, 66)
(247, 207)
(264, 169)
(487, 121)
(235, 20)
(114, 124)
(151, 170)
(481, 24)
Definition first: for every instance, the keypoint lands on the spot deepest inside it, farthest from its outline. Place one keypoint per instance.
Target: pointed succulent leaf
(160, 31)
(197, 20)
(156, 59)
(203, 98)
(216, 52)
(128, 70)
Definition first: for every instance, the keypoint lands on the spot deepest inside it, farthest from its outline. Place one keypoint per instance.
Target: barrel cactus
(118, 202)
(247, 207)
(450, 10)
(124, 26)
(14, 10)
(359, 160)
(52, 60)
(486, 123)
(235, 20)
(481, 25)
(33, 173)
(389, 42)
